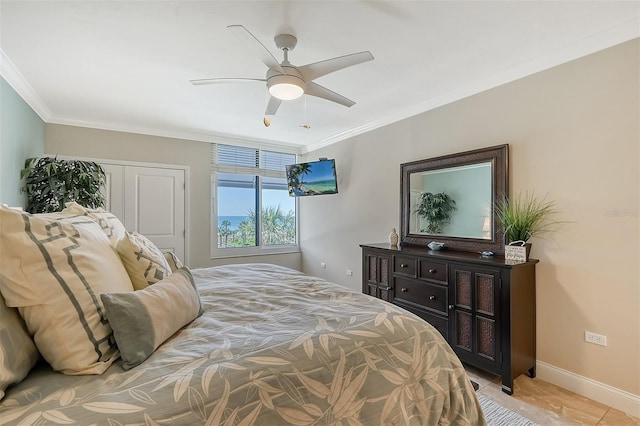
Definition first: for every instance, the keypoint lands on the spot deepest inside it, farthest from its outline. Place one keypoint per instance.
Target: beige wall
(104, 144)
(574, 134)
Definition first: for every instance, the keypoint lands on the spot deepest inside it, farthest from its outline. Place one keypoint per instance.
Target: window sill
(253, 252)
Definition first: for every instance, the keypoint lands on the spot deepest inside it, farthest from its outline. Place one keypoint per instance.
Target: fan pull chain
(266, 120)
(306, 124)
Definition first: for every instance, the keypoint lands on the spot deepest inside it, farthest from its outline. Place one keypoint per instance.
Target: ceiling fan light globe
(286, 91)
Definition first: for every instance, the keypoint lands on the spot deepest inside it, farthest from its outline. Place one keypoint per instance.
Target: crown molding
(13, 77)
(178, 134)
(583, 47)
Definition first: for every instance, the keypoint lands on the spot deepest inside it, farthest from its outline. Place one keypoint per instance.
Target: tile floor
(547, 404)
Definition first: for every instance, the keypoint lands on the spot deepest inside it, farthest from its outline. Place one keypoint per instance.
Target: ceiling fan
(286, 81)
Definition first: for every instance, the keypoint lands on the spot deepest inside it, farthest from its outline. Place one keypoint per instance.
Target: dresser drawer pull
(432, 297)
(451, 307)
(388, 288)
(432, 271)
(403, 265)
(404, 289)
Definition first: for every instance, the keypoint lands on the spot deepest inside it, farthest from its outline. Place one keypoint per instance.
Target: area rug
(497, 415)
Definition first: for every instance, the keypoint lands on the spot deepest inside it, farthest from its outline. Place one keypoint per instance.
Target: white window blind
(242, 160)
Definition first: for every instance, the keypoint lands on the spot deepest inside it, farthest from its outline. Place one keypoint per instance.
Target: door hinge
(184, 234)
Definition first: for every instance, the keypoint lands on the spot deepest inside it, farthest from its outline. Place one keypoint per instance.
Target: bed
(269, 346)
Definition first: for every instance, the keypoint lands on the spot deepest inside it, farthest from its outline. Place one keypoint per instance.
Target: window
(246, 181)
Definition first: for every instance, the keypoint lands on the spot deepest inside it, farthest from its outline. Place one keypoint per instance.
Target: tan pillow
(110, 224)
(54, 271)
(143, 260)
(18, 354)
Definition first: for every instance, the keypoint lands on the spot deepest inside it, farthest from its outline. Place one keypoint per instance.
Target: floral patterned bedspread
(273, 347)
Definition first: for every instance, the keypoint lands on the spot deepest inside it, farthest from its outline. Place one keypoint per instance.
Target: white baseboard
(600, 392)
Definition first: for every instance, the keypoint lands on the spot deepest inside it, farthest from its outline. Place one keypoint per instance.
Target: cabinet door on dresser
(474, 316)
(376, 273)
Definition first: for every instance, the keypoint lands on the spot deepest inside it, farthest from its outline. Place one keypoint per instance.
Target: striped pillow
(53, 269)
(142, 320)
(143, 260)
(173, 261)
(110, 224)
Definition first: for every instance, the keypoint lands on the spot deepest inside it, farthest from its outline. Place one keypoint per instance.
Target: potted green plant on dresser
(525, 216)
(50, 183)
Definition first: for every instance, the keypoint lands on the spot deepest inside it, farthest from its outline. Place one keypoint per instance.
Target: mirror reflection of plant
(436, 209)
(50, 183)
(525, 216)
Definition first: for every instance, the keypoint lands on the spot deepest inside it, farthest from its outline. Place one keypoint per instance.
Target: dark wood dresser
(483, 306)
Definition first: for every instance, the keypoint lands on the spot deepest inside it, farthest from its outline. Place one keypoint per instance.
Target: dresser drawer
(404, 265)
(435, 271)
(430, 296)
(439, 323)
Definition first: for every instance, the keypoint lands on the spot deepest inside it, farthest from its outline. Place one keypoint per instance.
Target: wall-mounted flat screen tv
(312, 178)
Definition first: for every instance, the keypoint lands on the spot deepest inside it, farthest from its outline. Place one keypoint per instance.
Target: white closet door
(154, 206)
(113, 191)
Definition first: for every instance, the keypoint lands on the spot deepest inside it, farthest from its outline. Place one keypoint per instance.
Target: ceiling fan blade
(225, 80)
(312, 71)
(272, 105)
(250, 40)
(318, 91)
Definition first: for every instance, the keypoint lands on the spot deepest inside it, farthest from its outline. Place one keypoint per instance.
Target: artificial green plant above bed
(50, 183)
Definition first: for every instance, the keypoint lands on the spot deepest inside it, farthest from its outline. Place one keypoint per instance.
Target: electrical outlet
(323, 265)
(349, 272)
(596, 339)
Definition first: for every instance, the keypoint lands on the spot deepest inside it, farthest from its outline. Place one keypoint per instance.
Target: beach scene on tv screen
(314, 178)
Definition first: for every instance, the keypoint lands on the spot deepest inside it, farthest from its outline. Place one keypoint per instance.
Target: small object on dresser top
(393, 237)
(486, 253)
(434, 245)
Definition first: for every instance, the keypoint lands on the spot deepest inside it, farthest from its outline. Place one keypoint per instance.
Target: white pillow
(54, 269)
(110, 224)
(18, 354)
(143, 260)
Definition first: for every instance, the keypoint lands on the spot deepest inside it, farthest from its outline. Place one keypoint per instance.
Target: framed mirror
(451, 199)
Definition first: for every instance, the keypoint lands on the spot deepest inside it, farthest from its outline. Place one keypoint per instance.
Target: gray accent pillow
(142, 320)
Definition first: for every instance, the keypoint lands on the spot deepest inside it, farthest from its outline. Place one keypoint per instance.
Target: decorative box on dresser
(483, 306)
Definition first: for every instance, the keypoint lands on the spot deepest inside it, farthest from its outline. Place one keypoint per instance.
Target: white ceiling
(126, 65)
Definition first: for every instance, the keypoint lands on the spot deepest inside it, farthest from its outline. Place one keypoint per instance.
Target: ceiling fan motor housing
(285, 86)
